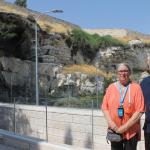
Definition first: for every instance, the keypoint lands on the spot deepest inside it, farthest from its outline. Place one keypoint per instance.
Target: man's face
(123, 74)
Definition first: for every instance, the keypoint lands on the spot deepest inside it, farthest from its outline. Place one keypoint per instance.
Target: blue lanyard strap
(122, 94)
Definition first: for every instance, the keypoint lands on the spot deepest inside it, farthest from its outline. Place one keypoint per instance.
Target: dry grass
(126, 39)
(46, 23)
(53, 27)
(86, 69)
(13, 9)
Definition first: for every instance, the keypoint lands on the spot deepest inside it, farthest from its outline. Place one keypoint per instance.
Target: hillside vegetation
(121, 34)
(88, 45)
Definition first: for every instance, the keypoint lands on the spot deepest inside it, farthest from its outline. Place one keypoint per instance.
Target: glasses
(123, 71)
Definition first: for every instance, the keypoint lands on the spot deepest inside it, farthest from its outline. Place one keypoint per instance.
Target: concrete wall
(74, 127)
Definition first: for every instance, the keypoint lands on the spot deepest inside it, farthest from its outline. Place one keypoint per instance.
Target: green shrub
(89, 44)
(108, 41)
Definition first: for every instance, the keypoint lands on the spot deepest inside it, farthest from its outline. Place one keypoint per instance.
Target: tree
(22, 3)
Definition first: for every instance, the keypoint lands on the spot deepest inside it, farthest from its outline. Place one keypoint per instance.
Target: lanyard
(122, 94)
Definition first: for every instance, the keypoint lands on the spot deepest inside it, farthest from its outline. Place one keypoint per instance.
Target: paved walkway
(4, 147)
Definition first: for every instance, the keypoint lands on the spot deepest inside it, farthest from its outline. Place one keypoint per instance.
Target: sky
(99, 14)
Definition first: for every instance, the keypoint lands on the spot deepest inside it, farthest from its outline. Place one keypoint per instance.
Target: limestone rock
(135, 56)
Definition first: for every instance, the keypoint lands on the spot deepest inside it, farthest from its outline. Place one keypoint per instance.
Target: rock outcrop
(135, 55)
(17, 59)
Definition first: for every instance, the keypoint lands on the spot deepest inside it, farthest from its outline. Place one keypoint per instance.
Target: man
(123, 106)
(145, 85)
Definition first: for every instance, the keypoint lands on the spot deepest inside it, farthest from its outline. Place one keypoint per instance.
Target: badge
(120, 111)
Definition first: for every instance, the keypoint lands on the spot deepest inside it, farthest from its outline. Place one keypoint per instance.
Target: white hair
(124, 64)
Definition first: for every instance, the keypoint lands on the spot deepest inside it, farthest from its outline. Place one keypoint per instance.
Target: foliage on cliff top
(86, 69)
(95, 40)
(88, 44)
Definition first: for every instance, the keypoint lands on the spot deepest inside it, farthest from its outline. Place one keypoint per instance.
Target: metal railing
(17, 117)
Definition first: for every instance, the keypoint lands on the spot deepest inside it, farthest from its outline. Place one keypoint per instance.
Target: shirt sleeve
(105, 99)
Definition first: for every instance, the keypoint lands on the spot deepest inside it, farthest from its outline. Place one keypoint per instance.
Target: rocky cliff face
(54, 50)
(17, 61)
(17, 56)
(135, 55)
(18, 76)
(16, 36)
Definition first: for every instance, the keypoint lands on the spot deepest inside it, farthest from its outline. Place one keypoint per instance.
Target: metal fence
(15, 119)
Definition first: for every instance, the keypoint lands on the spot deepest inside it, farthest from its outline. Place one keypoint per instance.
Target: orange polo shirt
(111, 102)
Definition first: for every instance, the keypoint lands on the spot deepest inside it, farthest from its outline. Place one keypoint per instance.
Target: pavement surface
(4, 147)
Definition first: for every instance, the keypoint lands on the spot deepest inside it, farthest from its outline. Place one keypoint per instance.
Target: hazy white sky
(129, 14)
